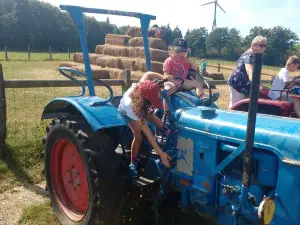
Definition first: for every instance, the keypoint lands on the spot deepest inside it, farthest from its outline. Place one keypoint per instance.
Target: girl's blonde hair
(140, 106)
(171, 51)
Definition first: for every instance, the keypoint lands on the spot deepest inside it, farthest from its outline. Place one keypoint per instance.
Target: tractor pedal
(119, 150)
(142, 181)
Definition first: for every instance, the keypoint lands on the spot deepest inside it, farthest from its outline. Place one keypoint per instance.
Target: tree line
(39, 24)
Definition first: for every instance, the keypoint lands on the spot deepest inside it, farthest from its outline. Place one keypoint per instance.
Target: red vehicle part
(267, 105)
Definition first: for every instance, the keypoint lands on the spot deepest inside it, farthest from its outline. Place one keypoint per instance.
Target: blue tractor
(228, 166)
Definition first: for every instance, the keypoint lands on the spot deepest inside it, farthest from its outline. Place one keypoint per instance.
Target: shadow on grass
(14, 165)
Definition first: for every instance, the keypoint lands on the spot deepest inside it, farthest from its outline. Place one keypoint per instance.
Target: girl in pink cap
(137, 106)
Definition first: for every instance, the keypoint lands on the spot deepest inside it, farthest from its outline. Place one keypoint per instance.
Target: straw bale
(78, 57)
(134, 75)
(155, 43)
(114, 39)
(132, 52)
(215, 76)
(97, 71)
(128, 63)
(112, 50)
(134, 32)
(156, 66)
(158, 55)
(108, 61)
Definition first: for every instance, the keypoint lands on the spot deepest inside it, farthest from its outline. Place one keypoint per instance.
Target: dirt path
(13, 202)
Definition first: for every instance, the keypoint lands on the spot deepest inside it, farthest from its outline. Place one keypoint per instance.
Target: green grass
(38, 215)
(22, 163)
(40, 56)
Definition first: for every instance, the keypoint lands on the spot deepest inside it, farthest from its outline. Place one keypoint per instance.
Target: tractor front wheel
(83, 174)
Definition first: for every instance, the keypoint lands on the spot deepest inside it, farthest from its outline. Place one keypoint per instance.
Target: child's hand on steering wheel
(170, 77)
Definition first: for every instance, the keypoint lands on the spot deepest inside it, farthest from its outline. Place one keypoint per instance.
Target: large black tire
(102, 168)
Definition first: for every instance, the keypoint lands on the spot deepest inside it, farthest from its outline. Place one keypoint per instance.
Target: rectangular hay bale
(114, 39)
(78, 57)
(155, 43)
(97, 71)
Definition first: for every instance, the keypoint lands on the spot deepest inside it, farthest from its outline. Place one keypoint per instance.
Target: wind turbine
(214, 26)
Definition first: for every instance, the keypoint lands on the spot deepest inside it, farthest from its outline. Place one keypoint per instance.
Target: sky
(241, 14)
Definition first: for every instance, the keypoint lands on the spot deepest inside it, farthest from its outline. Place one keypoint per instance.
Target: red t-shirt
(176, 68)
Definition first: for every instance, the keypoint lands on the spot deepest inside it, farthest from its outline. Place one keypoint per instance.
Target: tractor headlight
(266, 210)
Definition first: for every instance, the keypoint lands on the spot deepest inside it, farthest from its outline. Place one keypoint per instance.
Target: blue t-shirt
(239, 78)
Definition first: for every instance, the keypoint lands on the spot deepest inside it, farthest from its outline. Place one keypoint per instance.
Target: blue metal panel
(277, 134)
(287, 195)
(98, 117)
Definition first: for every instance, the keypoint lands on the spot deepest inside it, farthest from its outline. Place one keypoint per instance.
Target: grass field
(22, 163)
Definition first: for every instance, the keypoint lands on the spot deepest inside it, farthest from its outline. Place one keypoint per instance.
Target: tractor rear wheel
(83, 173)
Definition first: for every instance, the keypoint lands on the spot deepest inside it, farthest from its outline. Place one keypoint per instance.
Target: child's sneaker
(133, 170)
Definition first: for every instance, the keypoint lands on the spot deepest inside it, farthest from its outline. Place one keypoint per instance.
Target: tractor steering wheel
(205, 82)
(178, 82)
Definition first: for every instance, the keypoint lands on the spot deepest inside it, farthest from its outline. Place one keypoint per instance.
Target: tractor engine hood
(277, 134)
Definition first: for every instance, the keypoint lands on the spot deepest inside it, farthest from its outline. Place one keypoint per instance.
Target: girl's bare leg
(137, 140)
(192, 84)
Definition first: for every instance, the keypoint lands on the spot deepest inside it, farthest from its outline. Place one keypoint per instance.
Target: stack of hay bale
(126, 52)
(123, 52)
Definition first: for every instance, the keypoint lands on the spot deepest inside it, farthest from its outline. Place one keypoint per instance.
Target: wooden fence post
(6, 55)
(219, 67)
(127, 80)
(50, 53)
(2, 114)
(28, 52)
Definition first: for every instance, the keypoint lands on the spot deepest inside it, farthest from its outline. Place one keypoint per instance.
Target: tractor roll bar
(250, 133)
(76, 13)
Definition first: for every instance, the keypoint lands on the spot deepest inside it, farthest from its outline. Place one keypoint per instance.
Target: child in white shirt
(282, 79)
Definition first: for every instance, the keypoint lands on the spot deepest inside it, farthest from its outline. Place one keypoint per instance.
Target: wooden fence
(226, 68)
(7, 85)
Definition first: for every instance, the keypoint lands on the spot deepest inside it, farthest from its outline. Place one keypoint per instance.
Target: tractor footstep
(120, 151)
(142, 181)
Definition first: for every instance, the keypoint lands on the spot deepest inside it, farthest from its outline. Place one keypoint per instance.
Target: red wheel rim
(69, 180)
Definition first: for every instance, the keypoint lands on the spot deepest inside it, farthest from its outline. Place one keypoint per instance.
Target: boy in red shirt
(178, 66)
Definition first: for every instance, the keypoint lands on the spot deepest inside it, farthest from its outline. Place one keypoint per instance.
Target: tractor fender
(98, 116)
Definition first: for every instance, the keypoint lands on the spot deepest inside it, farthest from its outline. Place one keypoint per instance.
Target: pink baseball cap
(150, 90)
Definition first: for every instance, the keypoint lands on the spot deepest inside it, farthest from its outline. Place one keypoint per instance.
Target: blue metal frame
(76, 13)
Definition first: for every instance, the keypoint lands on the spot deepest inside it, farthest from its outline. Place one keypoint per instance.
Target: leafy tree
(196, 41)
(167, 34)
(217, 40)
(176, 33)
(123, 29)
(234, 43)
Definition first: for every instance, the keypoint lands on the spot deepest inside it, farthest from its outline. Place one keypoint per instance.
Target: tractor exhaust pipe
(254, 93)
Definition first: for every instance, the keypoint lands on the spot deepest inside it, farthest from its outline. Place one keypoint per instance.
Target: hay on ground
(155, 43)
(97, 71)
(114, 39)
